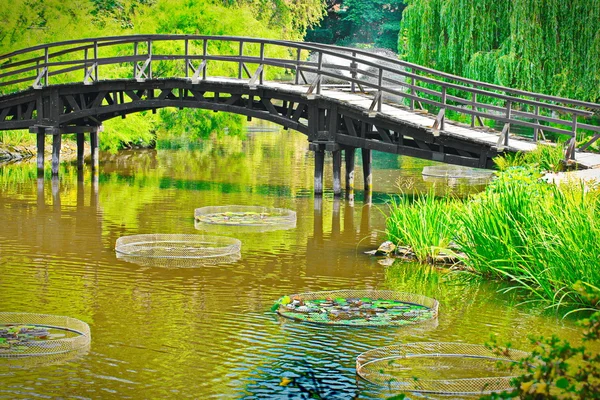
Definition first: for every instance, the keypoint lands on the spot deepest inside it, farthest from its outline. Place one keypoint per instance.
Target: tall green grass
(426, 224)
(543, 237)
(540, 237)
(545, 157)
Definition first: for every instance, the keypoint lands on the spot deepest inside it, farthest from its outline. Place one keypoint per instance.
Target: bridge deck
(424, 120)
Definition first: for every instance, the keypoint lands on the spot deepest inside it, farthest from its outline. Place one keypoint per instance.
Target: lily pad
(367, 308)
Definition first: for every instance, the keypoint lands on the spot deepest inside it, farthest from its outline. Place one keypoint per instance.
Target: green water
(208, 332)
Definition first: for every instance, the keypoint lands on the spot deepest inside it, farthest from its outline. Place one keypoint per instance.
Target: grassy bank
(541, 237)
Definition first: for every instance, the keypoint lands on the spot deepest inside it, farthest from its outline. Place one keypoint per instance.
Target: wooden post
(94, 148)
(297, 76)
(536, 131)
(412, 89)
(80, 149)
(473, 108)
(41, 142)
(204, 51)
(262, 63)
(367, 158)
(337, 172)
(55, 185)
(319, 72)
(336, 223)
(56, 142)
(349, 153)
(187, 58)
(319, 166)
(41, 201)
(353, 71)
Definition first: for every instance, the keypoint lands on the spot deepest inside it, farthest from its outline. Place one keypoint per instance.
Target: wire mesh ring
(180, 246)
(77, 335)
(365, 307)
(250, 216)
(377, 366)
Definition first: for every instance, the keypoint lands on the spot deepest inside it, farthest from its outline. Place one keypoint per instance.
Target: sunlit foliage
(546, 46)
(31, 22)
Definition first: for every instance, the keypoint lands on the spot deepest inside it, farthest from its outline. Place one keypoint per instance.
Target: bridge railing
(384, 78)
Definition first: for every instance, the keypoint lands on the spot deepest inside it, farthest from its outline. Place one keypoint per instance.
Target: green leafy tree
(545, 46)
(351, 22)
(32, 22)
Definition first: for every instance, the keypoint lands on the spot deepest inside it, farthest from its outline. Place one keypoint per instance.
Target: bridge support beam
(367, 158)
(94, 148)
(319, 166)
(349, 154)
(80, 150)
(41, 148)
(337, 172)
(56, 143)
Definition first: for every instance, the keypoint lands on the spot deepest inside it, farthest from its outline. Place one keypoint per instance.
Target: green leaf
(562, 383)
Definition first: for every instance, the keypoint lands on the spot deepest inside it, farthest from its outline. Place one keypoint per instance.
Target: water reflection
(208, 332)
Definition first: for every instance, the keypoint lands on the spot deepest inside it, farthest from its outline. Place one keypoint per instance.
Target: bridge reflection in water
(377, 102)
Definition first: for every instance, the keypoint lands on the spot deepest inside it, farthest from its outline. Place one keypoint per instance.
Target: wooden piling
(337, 172)
(94, 148)
(319, 166)
(367, 158)
(349, 155)
(41, 136)
(56, 142)
(80, 150)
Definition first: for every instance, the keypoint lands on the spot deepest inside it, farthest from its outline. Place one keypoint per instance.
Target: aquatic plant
(426, 224)
(556, 369)
(541, 236)
(544, 157)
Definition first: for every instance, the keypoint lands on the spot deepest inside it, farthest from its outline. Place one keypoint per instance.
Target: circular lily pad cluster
(358, 308)
(18, 337)
(25, 334)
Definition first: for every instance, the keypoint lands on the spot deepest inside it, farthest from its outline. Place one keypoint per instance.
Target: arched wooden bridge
(341, 98)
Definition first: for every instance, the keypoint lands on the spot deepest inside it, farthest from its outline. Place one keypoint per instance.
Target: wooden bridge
(341, 98)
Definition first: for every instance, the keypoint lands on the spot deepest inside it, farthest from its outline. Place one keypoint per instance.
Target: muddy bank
(11, 153)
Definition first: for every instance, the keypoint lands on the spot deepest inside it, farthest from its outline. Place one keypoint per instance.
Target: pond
(208, 332)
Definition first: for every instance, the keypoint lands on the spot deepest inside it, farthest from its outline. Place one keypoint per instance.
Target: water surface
(208, 332)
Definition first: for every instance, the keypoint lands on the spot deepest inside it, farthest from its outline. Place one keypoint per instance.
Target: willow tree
(548, 46)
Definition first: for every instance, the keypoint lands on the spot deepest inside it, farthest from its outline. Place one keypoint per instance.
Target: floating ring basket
(456, 172)
(244, 218)
(174, 263)
(358, 308)
(442, 368)
(28, 335)
(175, 246)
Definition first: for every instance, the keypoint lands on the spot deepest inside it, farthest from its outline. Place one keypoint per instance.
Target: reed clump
(540, 236)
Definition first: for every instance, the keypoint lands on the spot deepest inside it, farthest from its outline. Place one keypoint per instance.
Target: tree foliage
(351, 22)
(544, 46)
(31, 22)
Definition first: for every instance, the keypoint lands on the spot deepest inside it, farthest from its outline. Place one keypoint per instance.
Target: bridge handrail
(367, 64)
